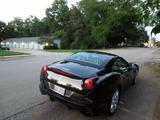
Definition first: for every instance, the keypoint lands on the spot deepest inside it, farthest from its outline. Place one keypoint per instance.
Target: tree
(37, 26)
(91, 24)
(28, 23)
(77, 28)
(113, 22)
(96, 13)
(10, 31)
(17, 26)
(156, 29)
(151, 14)
(150, 10)
(34, 27)
(2, 30)
(63, 35)
(57, 15)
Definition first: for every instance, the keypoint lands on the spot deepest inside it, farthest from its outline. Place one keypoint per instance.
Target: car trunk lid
(75, 69)
(70, 75)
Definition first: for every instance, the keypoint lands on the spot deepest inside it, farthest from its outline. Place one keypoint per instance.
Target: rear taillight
(44, 69)
(61, 72)
(89, 83)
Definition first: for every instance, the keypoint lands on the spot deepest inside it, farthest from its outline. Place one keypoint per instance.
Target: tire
(51, 98)
(134, 81)
(114, 100)
(88, 112)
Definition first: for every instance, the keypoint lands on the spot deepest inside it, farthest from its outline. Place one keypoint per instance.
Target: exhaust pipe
(89, 112)
(69, 108)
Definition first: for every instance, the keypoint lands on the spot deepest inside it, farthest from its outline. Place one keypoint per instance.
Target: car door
(121, 66)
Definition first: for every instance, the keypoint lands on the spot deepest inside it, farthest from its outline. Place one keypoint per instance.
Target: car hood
(76, 69)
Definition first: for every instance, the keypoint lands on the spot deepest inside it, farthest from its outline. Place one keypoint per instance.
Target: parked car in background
(90, 81)
(4, 47)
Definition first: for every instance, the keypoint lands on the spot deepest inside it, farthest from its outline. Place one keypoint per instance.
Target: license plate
(56, 88)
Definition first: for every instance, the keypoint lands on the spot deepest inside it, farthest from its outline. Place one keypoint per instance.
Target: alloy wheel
(114, 101)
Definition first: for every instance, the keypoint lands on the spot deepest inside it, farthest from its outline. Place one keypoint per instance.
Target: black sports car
(90, 81)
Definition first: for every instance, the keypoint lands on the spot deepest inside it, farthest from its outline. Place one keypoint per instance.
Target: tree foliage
(2, 31)
(151, 14)
(18, 27)
(78, 28)
(91, 23)
(113, 22)
(58, 15)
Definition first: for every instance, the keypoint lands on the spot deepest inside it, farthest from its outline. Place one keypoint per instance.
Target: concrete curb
(14, 56)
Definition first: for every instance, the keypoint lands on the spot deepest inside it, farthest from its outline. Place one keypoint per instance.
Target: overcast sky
(24, 8)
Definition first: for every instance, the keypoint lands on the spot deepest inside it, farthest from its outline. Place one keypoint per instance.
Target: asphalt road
(20, 97)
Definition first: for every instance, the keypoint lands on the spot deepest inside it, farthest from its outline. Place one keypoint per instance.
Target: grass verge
(155, 66)
(77, 50)
(10, 53)
(156, 115)
(68, 50)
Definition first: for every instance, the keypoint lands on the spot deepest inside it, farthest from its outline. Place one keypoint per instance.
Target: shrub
(50, 47)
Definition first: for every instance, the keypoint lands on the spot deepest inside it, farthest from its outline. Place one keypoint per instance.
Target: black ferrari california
(89, 81)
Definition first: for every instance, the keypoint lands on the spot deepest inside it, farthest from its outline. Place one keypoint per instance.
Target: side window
(115, 66)
(120, 65)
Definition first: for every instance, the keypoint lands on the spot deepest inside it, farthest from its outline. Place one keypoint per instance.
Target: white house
(24, 43)
(29, 42)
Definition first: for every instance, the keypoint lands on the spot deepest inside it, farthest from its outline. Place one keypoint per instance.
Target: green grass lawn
(10, 53)
(77, 50)
(69, 50)
(156, 66)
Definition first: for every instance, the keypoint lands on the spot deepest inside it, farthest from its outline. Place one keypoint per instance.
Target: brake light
(61, 72)
(44, 69)
(89, 83)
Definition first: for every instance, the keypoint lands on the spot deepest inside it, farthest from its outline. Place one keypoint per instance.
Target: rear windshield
(90, 58)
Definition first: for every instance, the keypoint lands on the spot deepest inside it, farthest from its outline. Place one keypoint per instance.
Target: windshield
(90, 58)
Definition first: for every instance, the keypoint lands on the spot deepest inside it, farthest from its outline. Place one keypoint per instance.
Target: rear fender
(113, 77)
(107, 84)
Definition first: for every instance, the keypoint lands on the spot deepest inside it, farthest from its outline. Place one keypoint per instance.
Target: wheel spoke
(114, 101)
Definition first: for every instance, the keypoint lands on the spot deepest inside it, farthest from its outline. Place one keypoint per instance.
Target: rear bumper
(79, 103)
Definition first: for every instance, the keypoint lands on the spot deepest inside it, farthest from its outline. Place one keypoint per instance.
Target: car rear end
(66, 88)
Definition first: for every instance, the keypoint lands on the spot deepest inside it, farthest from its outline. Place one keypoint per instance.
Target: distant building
(29, 43)
(24, 43)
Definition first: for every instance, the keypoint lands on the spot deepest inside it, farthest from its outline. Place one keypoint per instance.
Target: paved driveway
(20, 98)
